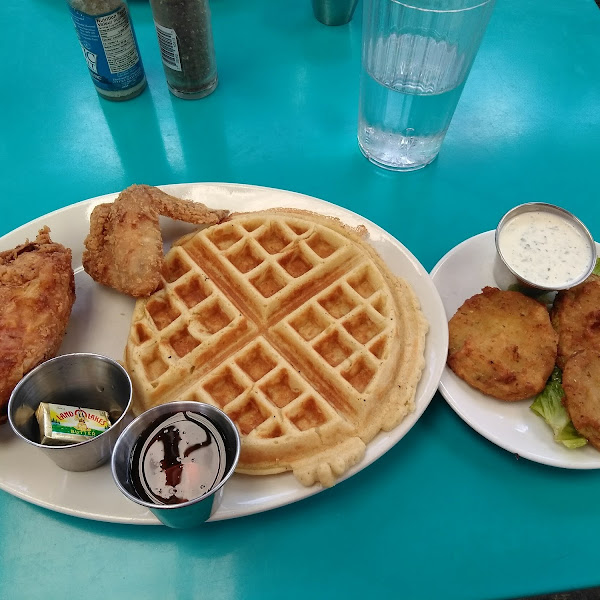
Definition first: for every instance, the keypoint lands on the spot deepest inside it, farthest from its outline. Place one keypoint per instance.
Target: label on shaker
(169, 49)
(110, 48)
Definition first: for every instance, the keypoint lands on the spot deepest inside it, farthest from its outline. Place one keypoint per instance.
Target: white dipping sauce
(545, 249)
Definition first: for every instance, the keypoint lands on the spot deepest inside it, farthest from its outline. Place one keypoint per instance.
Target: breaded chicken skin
(503, 344)
(37, 291)
(124, 247)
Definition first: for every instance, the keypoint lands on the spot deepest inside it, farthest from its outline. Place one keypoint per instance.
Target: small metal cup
(82, 380)
(185, 514)
(334, 12)
(506, 276)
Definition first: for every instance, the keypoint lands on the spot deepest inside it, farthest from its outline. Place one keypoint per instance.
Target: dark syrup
(178, 458)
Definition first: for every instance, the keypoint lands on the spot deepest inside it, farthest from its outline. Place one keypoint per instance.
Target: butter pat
(60, 424)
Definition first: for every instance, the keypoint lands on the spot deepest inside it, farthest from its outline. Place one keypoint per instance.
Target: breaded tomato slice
(503, 344)
(576, 316)
(581, 382)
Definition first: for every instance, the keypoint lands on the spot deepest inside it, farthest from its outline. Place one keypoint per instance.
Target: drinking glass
(416, 57)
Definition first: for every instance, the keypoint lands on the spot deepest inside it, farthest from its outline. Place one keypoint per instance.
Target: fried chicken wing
(177, 208)
(503, 344)
(124, 247)
(37, 291)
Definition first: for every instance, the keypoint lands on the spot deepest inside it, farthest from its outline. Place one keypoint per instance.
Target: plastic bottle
(109, 46)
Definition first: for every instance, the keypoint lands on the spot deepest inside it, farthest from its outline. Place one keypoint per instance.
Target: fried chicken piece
(581, 383)
(37, 291)
(124, 247)
(177, 208)
(503, 344)
(576, 317)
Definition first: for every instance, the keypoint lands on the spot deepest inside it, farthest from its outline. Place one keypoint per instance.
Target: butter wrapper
(60, 424)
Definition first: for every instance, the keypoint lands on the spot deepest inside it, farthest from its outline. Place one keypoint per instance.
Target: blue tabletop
(445, 513)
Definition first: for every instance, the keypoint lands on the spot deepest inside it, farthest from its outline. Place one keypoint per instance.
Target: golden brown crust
(37, 291)
(357, 233)
(581, 382)
(295, 327)
(503, 344)
(576, 317)
(179, 208)
(124, 247)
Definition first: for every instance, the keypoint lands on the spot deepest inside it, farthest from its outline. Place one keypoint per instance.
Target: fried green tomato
(581, 382)
(576, 317)
(503, 344)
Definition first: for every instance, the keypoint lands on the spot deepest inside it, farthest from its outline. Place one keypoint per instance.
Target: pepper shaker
(186, 45)
(334, 12)
(109, 46)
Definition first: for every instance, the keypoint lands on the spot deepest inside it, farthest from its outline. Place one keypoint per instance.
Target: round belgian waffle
(290, 323)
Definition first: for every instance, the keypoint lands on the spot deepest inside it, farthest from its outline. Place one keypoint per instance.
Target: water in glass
(408, 97)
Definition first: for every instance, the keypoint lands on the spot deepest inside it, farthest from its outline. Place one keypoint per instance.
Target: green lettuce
(548, 405)
(517, 287)
(596, 270)
(539, 295)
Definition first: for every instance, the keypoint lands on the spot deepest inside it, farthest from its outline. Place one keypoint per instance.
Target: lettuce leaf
(548, 405)
(527, 291)
(596, 270)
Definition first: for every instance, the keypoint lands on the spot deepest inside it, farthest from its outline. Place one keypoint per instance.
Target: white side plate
(462, 273)
(100, 323)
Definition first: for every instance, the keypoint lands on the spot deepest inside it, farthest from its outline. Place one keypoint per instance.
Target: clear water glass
(416, 57)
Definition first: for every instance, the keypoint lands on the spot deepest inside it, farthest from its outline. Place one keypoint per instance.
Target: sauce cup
(542, 247)
(83, 380)
(156, 462)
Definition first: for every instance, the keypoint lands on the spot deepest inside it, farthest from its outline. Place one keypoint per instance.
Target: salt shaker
(186, 45)
(109, 46)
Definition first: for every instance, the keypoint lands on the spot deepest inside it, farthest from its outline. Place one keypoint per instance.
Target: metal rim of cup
(43, 365)
(545, 206)
(178, 406)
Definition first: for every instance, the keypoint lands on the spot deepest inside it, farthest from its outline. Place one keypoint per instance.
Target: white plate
(100, 323)
(462, 273)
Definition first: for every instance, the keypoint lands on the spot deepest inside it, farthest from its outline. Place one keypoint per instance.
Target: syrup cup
(189, 513)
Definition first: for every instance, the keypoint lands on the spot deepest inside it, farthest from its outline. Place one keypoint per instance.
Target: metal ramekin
(195, 511)
(504, 272)
(83, 380)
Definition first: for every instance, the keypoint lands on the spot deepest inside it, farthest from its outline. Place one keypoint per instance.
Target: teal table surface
(445, 514)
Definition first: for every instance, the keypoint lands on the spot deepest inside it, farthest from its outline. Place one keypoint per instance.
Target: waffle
(290, 323)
